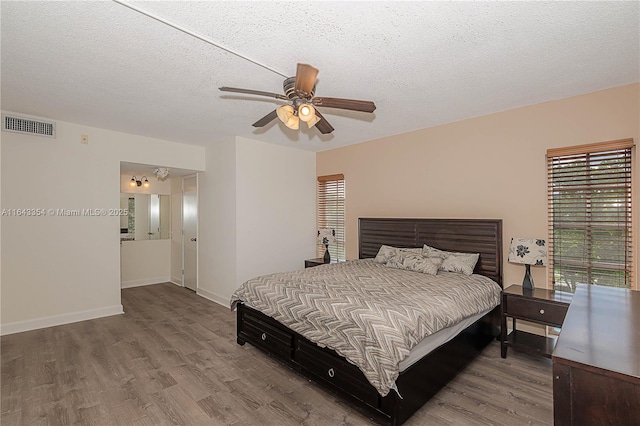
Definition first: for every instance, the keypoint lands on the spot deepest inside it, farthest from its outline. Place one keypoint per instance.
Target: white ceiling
(422, 63)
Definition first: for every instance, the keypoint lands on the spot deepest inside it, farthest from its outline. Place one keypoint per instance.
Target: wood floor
(172, 358)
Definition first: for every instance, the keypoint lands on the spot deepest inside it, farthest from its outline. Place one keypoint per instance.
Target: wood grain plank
(172, 358)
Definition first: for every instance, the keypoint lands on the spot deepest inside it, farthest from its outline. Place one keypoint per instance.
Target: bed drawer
(266, 336)
(335, 370)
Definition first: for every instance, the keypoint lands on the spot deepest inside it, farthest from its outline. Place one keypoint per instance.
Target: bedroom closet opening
(158, 226)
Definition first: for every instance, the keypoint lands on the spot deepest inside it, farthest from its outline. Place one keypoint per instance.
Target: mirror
(148, 217)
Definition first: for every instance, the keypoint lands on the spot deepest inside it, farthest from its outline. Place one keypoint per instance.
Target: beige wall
(487, 167)
(62, 269)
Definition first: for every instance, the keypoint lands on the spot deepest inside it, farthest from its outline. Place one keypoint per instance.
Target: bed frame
(425, 378)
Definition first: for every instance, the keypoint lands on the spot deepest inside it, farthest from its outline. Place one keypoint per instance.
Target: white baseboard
(176, 281)
(43, 322)
(213, 297)
(144, 281)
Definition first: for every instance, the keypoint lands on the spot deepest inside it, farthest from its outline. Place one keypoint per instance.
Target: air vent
(25, 125)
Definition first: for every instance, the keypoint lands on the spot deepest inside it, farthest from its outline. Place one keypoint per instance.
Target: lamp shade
(528, 251)
(284, 112)
(313, 121)
(293, 123)
(326, 236)
(286, 115)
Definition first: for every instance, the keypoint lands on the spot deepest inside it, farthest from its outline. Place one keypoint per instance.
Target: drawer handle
(264, 336)
(542, 311)
(331, 372)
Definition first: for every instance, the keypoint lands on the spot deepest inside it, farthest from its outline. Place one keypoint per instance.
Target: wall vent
(12, 123)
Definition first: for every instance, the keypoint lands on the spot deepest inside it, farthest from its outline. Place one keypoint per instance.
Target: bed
(423, 374)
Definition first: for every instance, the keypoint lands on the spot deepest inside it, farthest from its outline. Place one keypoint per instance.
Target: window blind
(331, 212)
(590, 215)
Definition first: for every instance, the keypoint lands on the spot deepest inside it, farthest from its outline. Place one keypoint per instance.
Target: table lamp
(326, 236)
(528, 251)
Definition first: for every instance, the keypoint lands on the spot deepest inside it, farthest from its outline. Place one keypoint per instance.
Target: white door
(190, 232)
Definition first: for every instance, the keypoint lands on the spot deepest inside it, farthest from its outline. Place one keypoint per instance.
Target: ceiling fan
(299, 93)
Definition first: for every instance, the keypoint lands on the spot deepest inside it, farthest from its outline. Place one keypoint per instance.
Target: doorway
(190, 232)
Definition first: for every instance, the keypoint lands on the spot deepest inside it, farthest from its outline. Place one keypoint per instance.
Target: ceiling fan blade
(323, 125)
(352, 104)
(253, 92)
(306, 78)
(266, 119)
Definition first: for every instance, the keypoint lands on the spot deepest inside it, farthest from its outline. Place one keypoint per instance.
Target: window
(331, 213)
(590, 215)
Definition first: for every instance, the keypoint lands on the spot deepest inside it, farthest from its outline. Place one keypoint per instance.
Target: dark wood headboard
(482, 236)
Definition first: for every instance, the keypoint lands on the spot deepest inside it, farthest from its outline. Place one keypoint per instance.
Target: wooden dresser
(596, 361)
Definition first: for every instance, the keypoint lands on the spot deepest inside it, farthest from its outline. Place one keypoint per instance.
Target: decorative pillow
(460, 262)
(453, 262)
(386, 252)
(414, 262)
(434, 252)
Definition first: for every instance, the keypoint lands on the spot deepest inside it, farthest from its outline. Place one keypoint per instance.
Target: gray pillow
(386, 252)
(414, 262)
(463, 263)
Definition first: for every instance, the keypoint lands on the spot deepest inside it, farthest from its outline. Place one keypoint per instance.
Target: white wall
(145, 262)
(176, 230)
(248, 225)
(217, 223)
(275, 208)
(62, 269)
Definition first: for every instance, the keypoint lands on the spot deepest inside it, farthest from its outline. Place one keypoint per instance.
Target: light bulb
(132, 182)
(145, 182)
(306, 112)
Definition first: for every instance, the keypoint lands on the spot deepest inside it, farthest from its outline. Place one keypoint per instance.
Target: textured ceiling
(422, 63)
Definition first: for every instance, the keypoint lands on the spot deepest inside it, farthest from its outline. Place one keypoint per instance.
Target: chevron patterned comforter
(370, 314)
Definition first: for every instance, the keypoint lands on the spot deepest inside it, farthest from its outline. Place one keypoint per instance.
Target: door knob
(193, 239)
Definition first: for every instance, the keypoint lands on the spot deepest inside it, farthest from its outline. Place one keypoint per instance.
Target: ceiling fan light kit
(299, 91)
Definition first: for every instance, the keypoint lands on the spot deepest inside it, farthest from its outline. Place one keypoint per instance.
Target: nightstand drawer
(310, 263)
(536, 310)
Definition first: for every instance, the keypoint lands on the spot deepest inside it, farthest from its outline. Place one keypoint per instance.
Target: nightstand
(542, 306)
(310, 263)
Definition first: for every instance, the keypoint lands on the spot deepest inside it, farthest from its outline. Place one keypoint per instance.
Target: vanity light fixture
(144, 182)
